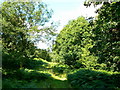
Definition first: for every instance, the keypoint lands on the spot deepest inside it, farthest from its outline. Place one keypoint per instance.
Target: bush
(13, 83)
(25, 74)
(32, 64)
(116, 79)
(60, 68)
(56, 57)
(6, 83)
(42, 53)
(10, 61)
(85, 78)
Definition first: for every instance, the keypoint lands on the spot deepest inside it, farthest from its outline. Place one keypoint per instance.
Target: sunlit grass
(53, 83)
(56, 80)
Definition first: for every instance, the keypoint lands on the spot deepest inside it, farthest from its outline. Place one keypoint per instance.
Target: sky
(65, 10)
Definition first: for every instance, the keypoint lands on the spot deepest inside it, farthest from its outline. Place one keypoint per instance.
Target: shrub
(85, 78)
(60, 68)
(32, 64)
(25, 74)
(116, 79)
(56, 57)
(7, 83)
(13, 83)
(42, 53)
(10, 61)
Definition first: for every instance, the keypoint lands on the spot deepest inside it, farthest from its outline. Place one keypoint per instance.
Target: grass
(56, 80)
(54, 83)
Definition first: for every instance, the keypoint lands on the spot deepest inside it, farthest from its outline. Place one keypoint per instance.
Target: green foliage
(28, 64)
(88, 3)
(7, 84)
(73, 43)
(13, 83)
(107, 36)
(25, 74)
(33, 64)
(56, 57)
(83, 43)
(42, 53)
(20, 21)
(9, 61)
(60, 68)
(86, 78)
(116, 79)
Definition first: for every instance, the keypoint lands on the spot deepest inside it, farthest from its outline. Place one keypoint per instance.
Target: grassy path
(53, 83)
(56, 81)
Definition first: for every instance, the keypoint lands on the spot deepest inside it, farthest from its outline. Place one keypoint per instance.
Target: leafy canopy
(19, 22)
(73, 43)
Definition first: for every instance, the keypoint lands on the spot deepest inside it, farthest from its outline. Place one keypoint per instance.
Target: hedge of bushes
(85, 78)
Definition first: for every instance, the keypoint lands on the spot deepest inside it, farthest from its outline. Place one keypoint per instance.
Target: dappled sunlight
(84, 54)
(59, 77)
(54, 83)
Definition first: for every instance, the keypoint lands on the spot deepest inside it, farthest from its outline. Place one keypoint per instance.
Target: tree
(42, 53)
(107, 35)
(19, 22)
(73, 44)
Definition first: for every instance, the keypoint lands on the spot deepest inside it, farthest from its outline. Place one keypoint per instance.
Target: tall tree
(20, 20)
(73, 44)
(107, 35)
